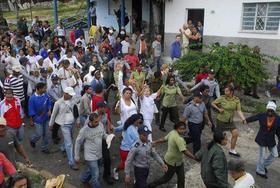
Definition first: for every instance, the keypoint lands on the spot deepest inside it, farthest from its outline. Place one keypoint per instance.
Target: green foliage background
(239, 64)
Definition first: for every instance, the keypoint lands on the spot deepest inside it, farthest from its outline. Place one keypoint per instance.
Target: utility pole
(88, 14)
(55, 14)
(122, 13)
(30, 8)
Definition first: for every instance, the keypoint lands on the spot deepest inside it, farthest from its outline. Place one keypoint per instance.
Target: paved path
(56, 163)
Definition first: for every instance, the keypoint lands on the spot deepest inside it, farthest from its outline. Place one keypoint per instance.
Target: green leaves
(238, 63)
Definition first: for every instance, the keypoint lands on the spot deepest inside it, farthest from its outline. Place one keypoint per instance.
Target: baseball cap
(3, 121)
(271, 105)
(143, 129)
(16, 68)
(212, 71)
(70, 91)
(54, 77)
(101, 104)
(38, 57)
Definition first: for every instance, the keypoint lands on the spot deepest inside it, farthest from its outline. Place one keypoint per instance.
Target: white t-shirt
(246, 181)
(127, 111)
(69, 117)
(50, 63)
(125, 46)
(148, 106)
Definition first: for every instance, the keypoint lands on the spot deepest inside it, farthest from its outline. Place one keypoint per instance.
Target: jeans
(266, 161)
(92, 173)
(67, 132)
(41, 131)
(179, 170)
(195, 133)
(83, 119)
(173, 115)
(19, 132)
(157, 61)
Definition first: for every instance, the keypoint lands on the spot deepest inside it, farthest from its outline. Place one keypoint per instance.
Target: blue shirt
(44, 53)
(94, 83)
(175, 51)
(38, 107)
(130, 137)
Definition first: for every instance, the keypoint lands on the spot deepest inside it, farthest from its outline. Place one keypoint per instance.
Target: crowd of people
(55, 81)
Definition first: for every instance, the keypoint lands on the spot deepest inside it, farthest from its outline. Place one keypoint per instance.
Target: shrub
(239, 64)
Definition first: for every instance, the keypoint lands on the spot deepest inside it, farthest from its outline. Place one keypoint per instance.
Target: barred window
(261, 16)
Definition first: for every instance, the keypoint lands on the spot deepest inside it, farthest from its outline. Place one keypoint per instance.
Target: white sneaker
(115, 174)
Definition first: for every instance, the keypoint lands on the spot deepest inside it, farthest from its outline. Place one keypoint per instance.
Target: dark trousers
(278, 135)
(179, 170)
(173, 115)
(141, 176)
(157, 115)
(195, 135)
(55, 131)
(106, 160)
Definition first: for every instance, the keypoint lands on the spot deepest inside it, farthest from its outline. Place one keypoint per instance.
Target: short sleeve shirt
(230, 105)
(8, 143)
(176, 145)
(156, 45)
(170, 92)
(194, 112)
(246, 181)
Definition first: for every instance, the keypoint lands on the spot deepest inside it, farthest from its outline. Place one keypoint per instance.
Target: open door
(136, 15)
(195, 15)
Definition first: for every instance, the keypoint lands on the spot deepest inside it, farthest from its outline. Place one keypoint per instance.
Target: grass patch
(36, 180)
(46, 13)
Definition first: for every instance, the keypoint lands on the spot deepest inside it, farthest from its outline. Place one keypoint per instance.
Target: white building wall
(103, 17)
(221, 17)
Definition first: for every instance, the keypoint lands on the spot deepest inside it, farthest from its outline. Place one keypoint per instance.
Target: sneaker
(32, 144)
(74, 167)
(262, 175)
(162, 129)
(235, 154)
(115, 174)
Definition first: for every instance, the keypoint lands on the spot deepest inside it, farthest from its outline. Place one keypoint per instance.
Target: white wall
(103, 17)
(221, 17)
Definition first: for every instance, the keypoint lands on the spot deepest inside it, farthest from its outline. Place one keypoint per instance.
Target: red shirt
(132, 60)
(5, 167)
(12, 113)
(95, 100)
(72, 37)
(200, 77)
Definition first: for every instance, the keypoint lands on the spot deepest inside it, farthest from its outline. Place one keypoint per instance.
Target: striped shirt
(15, 84)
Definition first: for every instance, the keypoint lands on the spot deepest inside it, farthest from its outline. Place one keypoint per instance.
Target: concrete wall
(222, 23)
(105, 19)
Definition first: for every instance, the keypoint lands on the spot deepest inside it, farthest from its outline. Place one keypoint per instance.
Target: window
(261, 16)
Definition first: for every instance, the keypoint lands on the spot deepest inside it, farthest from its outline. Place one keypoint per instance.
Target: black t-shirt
(8, 143)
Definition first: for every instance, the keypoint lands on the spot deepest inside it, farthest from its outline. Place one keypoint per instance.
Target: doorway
(136, 15)
(195, 15)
